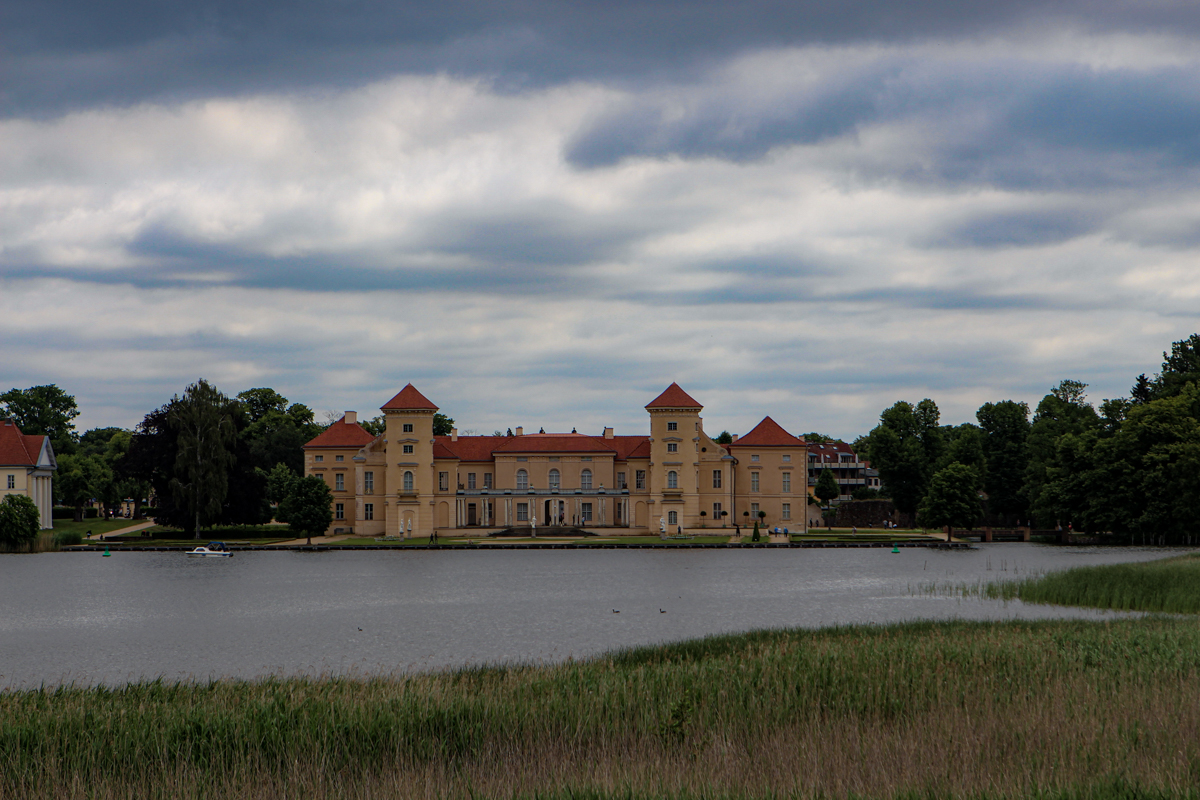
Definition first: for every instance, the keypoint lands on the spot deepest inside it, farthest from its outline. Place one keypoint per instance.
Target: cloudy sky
(542, 213)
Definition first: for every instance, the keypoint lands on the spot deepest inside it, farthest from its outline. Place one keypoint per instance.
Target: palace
(409, 482)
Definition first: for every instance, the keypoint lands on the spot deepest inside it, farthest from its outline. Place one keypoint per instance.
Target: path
(95, 537)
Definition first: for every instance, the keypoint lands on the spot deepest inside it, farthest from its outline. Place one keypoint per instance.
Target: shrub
(19, 521)
(62, 512)
(66, 538)
(91, 513)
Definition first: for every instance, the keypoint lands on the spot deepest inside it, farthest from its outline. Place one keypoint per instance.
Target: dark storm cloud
(1018, 125)
(67, 53)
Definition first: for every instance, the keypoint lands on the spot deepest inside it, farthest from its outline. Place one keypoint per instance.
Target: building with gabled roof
(27, 466)
(409, 482)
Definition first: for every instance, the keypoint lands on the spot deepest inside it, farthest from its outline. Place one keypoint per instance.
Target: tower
(409, 448)
(674, 458)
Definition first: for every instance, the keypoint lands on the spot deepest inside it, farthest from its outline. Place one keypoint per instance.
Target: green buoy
(895, 547)
(106, 553)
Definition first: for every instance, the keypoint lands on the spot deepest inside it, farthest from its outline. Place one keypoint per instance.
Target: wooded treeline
(1126, 467)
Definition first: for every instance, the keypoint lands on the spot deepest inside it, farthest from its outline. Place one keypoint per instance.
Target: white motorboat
(217, 549)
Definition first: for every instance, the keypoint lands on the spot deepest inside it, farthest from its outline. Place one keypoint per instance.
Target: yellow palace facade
(409, 482)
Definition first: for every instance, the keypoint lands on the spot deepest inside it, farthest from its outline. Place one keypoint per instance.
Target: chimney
(520, 431)
(735, 437)
(351, 417)
(454, 434)
(608, 433)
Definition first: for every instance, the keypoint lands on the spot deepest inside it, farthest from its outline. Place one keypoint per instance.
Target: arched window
(673, 517)
(672, 480)
(408, 482)
(522, 480)
(585, 480)
(554, 479)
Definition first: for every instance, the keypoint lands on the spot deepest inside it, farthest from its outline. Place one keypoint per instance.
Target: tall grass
(1169, 586)
(920, 710)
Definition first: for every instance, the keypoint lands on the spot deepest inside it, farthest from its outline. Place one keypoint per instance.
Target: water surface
(84, 618)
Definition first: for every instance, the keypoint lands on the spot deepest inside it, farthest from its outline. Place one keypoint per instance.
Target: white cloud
(336, 245)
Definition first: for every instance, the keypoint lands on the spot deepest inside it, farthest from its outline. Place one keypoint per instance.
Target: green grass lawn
(94, 525)
(697, 539)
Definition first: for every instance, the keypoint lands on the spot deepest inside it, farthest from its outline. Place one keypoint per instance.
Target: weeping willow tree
(204, 451)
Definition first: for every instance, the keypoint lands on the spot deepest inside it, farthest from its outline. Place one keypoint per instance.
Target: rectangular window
(716, 479)
(339, 458)
(754, 481)
(754, 510)
(470, 480)
(786, 458)
(717, 512)
(621, 481)
(640, 479)
(339, 510)
(12, 481)
(672, 517)
(368, 483)
(487, 480)
(672, 447)
(318, 458)
(444, 481)
(586, 511)
(787, 481)
(787, 510)
(522, 512)
(339, 482)
(408, 427)
(672, 426)
(368, 511)
(754, 458)
(408, 448)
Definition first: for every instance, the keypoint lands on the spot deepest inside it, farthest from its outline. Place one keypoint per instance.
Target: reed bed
(1057, 709)
(1171, 585)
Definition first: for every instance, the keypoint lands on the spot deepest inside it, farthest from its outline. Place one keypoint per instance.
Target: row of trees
(203, 455)
(1125, 467)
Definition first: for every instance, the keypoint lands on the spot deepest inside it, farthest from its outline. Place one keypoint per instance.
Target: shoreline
(120, 547)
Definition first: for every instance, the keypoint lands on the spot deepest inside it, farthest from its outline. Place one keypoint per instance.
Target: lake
(83, 618)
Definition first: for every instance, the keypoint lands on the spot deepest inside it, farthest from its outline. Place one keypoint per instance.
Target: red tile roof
(467, 448)
(410, 399)
(554, 443)
(631, 446)
(339, 434)
(768, 433)
(674, 397)
(831, 452)
(18, 449)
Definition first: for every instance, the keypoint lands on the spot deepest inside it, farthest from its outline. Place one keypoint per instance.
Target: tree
(755, 537)
(260, 402)
(377, 425)
(442, 425)
(44, 411)
(1065, 411)
(308, 507)
(203, 452)
(1180, 367)
(80, 479)
(827, 488)
(725, 437)
(19, 521)
(952, 499)
(906, 447)
(813, 437)
(1005, 427)
(280, 482)
(272, 430)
